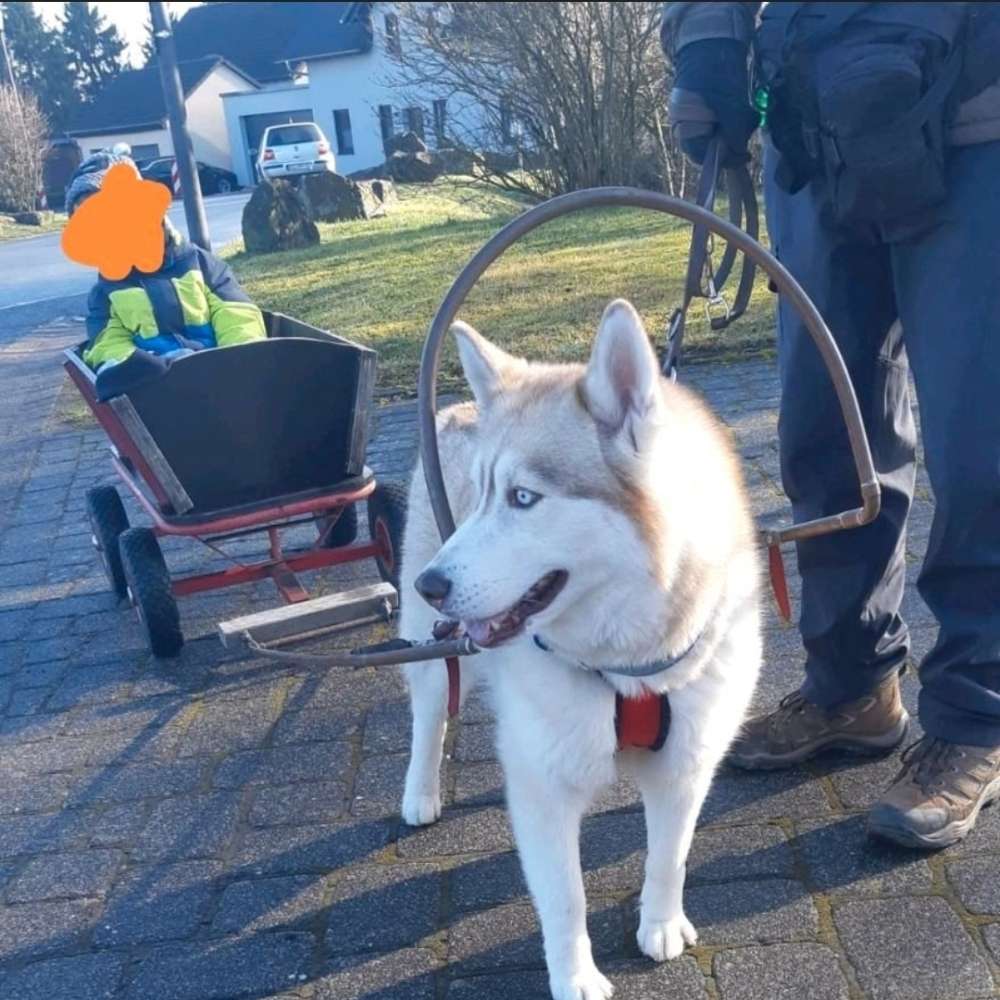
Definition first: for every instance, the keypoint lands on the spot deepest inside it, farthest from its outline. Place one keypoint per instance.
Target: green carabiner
(760, 102)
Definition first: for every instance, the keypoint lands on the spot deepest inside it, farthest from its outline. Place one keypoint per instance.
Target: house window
(415, 121)
(506, 122)
(385, 122)
(149, 151)
(393, 43)
(342, 125)
(441, 123)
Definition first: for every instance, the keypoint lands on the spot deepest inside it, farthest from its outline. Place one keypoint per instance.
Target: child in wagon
(138, 321)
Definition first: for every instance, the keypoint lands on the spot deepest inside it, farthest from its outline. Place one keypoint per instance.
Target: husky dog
(602, 525)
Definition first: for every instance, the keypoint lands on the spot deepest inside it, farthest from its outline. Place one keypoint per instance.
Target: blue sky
(130, 18)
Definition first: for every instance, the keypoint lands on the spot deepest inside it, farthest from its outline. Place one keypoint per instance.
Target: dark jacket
(977, 117)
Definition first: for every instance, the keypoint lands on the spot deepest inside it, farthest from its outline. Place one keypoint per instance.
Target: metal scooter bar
(382, 655)
(636, 198)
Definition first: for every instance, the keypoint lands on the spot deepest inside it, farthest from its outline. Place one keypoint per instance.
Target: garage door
(254, 125)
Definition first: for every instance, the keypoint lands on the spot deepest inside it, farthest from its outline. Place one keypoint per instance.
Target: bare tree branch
(554, 96)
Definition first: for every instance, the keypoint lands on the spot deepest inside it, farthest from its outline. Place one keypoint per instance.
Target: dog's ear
(622, 380)
(484, 363)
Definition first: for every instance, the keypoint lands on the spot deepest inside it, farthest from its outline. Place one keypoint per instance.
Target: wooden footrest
(289, 623)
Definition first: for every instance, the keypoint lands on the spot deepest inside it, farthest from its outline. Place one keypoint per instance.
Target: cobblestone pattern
(215, 828)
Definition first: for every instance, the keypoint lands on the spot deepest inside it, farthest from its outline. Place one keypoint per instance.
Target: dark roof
(259, 37)
(134, 99)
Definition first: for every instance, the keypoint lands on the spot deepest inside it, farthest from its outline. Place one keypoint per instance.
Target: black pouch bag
(865, 106)
(880, 131)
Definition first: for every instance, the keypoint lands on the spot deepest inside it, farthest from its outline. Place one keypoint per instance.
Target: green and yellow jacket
(192, 301)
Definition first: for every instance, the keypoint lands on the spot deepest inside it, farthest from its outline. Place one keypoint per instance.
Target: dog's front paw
(662, 940)
(588, 985)
(419, 810)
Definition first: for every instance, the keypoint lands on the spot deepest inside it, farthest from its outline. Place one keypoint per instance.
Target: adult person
(882, 183)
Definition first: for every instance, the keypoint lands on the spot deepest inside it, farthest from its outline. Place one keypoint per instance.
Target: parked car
(61, 159)
(214, 180)
(293, 149)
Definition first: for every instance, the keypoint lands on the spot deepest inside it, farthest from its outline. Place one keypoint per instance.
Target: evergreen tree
(149, 43)
(40, 65)
(93, 48)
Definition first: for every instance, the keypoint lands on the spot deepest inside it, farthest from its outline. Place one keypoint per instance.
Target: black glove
(711, 92)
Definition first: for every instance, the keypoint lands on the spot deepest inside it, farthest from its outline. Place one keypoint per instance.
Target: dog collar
(633, 669)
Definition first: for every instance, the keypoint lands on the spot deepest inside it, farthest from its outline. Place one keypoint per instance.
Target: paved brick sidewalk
(217, 828)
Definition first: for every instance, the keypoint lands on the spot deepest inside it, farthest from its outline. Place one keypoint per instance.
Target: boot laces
(792, 704)
(929, 761)
(789, 721)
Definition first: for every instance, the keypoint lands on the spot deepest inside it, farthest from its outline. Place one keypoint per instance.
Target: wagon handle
(635, 198)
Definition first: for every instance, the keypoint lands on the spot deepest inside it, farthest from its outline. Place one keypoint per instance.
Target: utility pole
(6, 65)
(194, 207)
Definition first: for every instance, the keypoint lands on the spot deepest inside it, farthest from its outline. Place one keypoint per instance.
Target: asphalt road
(34, 271)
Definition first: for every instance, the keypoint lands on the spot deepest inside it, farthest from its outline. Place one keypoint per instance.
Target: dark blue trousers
(945, 287)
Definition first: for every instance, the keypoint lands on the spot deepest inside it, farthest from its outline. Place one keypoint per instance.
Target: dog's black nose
(433, 586)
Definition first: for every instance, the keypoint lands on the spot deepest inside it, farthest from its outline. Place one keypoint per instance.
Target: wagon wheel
(108, 520)
(386, 521)
(148, 581)
(343, 532)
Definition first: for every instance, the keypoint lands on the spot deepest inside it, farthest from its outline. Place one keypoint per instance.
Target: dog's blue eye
(523, 498)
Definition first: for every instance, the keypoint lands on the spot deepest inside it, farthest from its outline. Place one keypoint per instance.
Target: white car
(293, 149)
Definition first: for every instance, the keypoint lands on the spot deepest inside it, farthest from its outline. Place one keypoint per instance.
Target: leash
(701, 280)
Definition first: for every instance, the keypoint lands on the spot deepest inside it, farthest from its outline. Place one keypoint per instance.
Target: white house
(132, 110)
(341, 66)
(245, 66)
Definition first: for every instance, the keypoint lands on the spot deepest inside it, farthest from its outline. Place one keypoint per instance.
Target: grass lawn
(379, 282)
(52, 222)
(71, 411)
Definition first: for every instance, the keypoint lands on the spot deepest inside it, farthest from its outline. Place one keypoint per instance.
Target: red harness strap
(779, 584)
(642, 722)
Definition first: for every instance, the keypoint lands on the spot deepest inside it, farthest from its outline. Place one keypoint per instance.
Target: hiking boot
(797, 730)
(936, 798)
